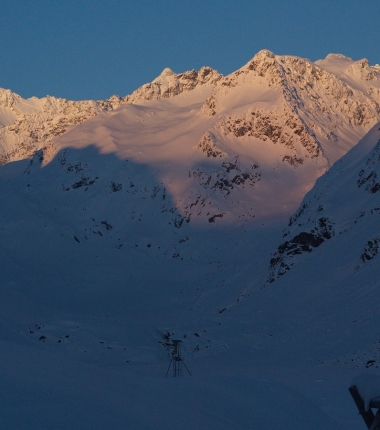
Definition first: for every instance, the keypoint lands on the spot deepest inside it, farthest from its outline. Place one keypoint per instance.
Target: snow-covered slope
(357, 74)
(99, 273)
(343, 204)
(328, 260)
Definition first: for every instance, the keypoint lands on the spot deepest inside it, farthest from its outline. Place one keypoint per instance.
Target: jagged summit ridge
(27, 125)
(328, 107)
(30, 124)
(169, 84)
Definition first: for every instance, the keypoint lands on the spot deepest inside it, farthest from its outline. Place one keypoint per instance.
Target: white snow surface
(368, 387)
(164, 216)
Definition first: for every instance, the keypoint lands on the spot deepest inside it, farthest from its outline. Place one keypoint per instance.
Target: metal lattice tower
(177, 359)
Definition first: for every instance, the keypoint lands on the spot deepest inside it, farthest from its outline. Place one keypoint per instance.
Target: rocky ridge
(286, 130)
(170, 84)
(30, 124)
(318, 102)
(27, 125)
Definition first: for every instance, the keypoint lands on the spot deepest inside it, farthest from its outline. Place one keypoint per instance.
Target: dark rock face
(305, 241)
(207, 145)
(371, 249)
(224, 180)
(286, 130)
(213, 218)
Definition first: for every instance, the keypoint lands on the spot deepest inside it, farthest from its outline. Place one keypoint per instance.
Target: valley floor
(82, 344)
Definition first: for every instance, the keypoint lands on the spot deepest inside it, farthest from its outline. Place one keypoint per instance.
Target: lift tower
(177, 359)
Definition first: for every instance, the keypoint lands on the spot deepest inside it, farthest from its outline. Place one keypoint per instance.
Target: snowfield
(192, 210)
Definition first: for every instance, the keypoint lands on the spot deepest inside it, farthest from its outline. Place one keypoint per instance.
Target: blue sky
(95, 48)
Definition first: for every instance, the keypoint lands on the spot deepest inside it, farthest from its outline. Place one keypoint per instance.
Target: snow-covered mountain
(27, 125)
(159, 216)
(269, 129)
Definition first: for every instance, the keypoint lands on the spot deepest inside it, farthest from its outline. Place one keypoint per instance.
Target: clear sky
(91, 49)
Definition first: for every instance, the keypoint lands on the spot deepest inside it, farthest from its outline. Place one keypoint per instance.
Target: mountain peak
(265, 53)
(263, 56)
(337, 57)
(363, 70)
(166, 72)
(169, 84)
